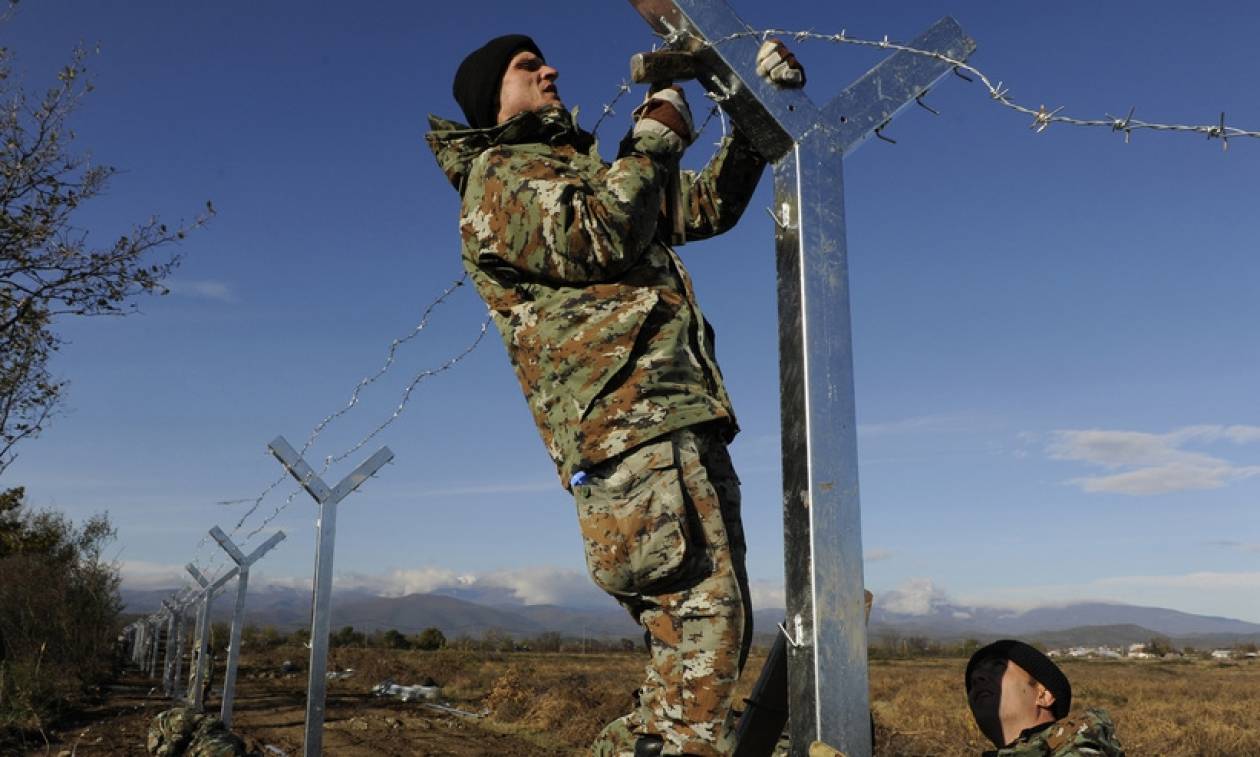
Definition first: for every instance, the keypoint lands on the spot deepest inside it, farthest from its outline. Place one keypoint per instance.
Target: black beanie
(479, 76)
(1038, 666)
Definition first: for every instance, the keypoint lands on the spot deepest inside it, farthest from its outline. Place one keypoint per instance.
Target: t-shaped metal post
(174, 608)
(152, 662)
(827, 666)
(208, 590)
(243, 563)
(321, 613)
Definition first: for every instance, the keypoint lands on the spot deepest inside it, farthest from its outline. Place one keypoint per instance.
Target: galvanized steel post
(243, 564)
(827, 664)
(321, 612)
(208, 590)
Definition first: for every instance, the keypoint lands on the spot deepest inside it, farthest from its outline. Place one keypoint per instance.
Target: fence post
(209, 589)
(243, 564)
(827, 682)
(321, 612)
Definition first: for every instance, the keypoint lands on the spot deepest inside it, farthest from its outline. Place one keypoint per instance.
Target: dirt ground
(554, 704)
(270, 716)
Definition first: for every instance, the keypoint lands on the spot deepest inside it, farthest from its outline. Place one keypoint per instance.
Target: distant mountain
(946, 621)
(1086, 623)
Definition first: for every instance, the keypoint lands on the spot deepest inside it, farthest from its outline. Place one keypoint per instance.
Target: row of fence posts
(158, 639)
(160, 636)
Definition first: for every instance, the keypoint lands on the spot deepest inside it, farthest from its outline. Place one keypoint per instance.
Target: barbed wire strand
(391, 356)
(398, 411)
(1042, 116)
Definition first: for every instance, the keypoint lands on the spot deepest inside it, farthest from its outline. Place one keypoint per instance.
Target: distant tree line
(429, 639)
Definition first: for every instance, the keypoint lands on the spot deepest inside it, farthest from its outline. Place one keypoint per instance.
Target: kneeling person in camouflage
(617, 363)
(1021, 701)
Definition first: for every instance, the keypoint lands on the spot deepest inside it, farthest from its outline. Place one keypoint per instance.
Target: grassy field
(554, 704)
(560, 701)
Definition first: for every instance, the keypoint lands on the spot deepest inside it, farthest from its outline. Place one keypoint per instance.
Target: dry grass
(560, 701)
(1164, 708)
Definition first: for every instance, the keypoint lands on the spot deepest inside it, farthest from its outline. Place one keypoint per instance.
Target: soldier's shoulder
(1090, 732)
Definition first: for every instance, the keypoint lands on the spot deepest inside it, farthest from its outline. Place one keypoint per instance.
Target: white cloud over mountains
(918, 596)
(1147, 464)
(1230, 594)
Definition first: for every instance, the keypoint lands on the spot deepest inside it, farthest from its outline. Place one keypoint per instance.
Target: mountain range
(1082, 623)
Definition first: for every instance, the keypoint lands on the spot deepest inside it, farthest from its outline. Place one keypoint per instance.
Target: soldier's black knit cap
(478, 78)
(1038, 666)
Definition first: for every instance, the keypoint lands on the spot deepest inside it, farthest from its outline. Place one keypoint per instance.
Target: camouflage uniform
(602, 327)
(182, 731)
(1089, 733)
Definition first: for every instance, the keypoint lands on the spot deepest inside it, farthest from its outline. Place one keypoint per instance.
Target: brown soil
(554, 704)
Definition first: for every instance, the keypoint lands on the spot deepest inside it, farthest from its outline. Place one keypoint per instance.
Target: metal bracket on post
(321, 612)
(208, 590)
(827, 689)
(243, 564)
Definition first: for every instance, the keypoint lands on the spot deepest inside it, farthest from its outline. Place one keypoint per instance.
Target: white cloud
(204, 289)
(918, 596)
(917, 424)
(141, 574)
(876, 555)
(1166, 478)
(536, 585)
(1232, 544)
(1155, 463)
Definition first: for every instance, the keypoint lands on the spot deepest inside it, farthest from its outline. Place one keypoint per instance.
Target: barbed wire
(398, 411)
(255, 503)
(219, 561)
(623, 89)
(1042, 116)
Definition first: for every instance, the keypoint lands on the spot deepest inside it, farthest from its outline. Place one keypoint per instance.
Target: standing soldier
(616, 361)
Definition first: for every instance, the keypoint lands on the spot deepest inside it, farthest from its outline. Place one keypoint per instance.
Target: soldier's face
(1005, 700)
(528, 84)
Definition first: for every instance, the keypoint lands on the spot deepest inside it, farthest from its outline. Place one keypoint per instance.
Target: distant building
(1221, 654)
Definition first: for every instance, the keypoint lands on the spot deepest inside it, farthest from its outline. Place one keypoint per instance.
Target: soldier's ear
(1045, 697)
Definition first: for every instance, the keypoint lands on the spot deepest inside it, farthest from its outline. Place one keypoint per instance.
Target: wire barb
(997, 92)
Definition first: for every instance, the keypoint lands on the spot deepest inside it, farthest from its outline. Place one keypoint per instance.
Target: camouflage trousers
(662, 534)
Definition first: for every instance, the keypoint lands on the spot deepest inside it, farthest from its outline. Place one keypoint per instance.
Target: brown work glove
(665, 112)
(777, 63)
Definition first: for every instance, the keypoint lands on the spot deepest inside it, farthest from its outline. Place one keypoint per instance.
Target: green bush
(59, 609)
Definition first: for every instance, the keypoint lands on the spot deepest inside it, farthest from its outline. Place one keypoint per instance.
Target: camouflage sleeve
(717, 196)
(529, 215)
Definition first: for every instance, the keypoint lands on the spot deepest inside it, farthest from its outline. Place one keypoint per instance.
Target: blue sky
(1054, 333)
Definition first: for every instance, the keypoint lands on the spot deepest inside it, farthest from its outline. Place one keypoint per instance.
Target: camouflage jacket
(598, 315)
(184, 732)
(1088, 733)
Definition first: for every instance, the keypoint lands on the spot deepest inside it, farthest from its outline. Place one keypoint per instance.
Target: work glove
(664, 112)
(777, 63)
